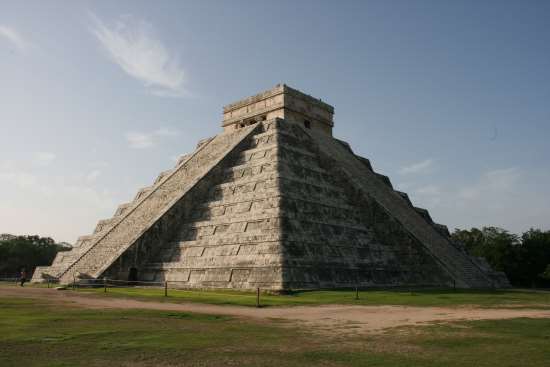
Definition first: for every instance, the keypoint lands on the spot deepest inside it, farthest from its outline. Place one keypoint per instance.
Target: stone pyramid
(273, 202)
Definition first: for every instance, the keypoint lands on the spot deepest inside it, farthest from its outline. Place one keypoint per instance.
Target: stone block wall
(277, 206)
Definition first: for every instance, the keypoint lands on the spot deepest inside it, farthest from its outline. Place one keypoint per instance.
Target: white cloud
(492, 188)
(139, 140)
(430, 190)
(142, 140)
(166, 132)
(63, 207)
(21, 180)
(13, 37)
(511, 198)
(429, 195)
(418, 167)
(93, 175)
(43, 158)
(133, 45)
(169, 93)
(499, 181)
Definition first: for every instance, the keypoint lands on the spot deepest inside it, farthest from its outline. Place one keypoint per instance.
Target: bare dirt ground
(335, 319)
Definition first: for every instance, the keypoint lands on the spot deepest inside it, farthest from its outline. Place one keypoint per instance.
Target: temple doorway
(133, 275)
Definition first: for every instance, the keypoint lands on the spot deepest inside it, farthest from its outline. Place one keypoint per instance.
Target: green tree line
(524, 259)
(17, 252)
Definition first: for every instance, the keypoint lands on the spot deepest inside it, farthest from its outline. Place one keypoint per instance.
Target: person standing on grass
(23, 277)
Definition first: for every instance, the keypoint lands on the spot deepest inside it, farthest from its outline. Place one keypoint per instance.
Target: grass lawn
(504, 298)
(37, 333)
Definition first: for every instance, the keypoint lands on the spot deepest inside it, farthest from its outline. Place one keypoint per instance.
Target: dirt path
(329, 318)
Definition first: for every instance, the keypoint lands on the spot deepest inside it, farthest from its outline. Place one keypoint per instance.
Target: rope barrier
(120, 283)
(107, 283)
(133, 281)
(9, 279)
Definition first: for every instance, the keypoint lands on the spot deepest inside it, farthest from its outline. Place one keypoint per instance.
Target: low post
(74, 282)
(48, 283)
(104, 285)
(454, 285)
(356, 293)
(165, 288)
(258, 297)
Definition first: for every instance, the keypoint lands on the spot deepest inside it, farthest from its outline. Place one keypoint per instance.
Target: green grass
(505, 298)
(37, 333)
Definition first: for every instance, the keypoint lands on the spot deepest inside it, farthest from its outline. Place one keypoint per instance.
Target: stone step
(182, 159)
(370, 185)
(104, 224)
(142, 193)
(153, 202)
(255, 153)
(163, 175)
(122, 209)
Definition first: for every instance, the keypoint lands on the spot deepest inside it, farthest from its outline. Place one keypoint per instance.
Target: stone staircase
(277, 219)
(276, 207)
(230, 240)
(457, 263)
(114, 236)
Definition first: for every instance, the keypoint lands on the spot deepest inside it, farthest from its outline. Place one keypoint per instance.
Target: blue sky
(449, 99)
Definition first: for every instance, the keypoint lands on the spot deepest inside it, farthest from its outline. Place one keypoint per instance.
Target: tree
(472, 239)
(524, 259)
(546, 274)
(27, 252)
(535, 256)
(494, 244)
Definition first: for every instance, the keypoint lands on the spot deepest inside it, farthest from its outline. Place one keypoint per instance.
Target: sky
(450, 99)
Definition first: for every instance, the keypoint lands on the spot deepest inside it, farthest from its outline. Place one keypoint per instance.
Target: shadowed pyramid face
(273, 202)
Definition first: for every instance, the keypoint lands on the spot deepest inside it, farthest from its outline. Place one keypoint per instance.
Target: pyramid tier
(277, 206)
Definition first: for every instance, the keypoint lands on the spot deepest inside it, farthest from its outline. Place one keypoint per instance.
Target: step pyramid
(275, 201)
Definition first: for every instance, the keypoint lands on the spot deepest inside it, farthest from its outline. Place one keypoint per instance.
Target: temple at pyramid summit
(276, 202)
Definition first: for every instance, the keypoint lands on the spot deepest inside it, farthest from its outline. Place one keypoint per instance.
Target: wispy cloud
(12, 36)
(493, 189)
(429, 195)
(139, 140)
(142, 140)
(430, 190)
(134, 46)
(498, 181)
(93, 175)
(32, 203)
(513, 198)
(43, 158)
(418, 167)
(166, 132)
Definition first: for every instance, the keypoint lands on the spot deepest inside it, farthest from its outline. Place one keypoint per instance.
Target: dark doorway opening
(307, 124)
(133, 275)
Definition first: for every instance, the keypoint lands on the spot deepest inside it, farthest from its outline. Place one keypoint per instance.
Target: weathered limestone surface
(280, 102)
(274, 202)
(150, 204)
(226, 232)
(417, 222)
